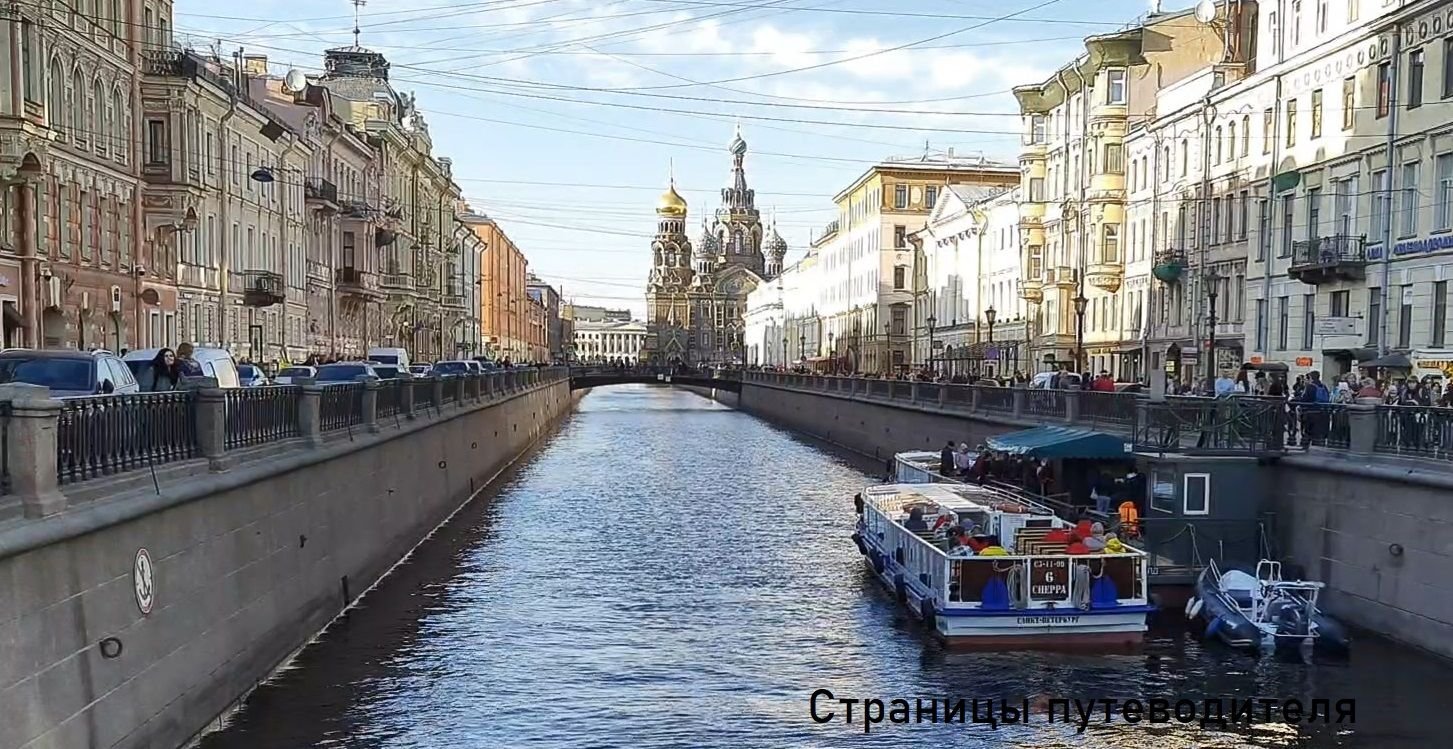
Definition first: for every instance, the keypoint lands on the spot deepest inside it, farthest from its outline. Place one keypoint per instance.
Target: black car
(332, 374)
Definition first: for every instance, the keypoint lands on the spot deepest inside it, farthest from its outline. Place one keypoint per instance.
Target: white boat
(917, 467)
(1034, 594)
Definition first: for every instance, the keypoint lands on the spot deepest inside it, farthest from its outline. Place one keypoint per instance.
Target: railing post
(1072, 405)
(212, 425)
(459, 389)
(406, 396)
(310, 415)
(31, 449)
(1362, 427)
(369, 417)
(437, 396)
(1021, 399)
(975, 397)
(943, 394)
(913, 393)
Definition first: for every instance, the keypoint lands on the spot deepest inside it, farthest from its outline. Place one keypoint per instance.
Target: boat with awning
(1059, 442)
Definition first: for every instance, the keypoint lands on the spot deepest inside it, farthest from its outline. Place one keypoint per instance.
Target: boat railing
(1047, 581)
(924, 563)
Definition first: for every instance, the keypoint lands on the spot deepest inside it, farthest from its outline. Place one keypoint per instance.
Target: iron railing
(258, 416)
(340, 406)
(390, 398)
(1318, 424)
(1045, 404)
(1324, 252)
(109, 434)
(1421, 431)
(1108, 408)
(321, 190)
(1242, 424)
(424, 394)
(994, 398)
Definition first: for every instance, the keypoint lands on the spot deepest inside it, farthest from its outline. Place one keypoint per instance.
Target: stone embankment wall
(249, 564)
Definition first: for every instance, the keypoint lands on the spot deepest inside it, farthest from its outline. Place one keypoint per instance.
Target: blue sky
(562, 115)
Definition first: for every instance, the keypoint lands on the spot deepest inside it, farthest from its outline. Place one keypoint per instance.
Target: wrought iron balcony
(1325, 259)
(320, 193)
(1169, 264)
(396, 278)
(453, 293)
(355, 282)
(263, 288)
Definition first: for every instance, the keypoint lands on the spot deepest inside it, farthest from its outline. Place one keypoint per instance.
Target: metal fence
(1212, 425)
(1045, 404)
(1319, 424)
(1108, 408)
(1420, 431)
(994, 398)
(390, 398)
(424, 394)
(341, 406)
(257, 416)
(109, 434)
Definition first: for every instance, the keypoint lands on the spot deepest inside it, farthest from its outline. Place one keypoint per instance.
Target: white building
(971, 275)
(600, 342)
(782, 325)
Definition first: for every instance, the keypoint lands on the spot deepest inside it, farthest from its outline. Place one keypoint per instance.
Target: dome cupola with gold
(671, 203)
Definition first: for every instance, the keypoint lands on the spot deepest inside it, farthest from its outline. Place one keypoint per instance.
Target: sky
(565, 117)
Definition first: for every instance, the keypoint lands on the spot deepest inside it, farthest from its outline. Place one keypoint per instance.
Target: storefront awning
(1391, 361)
(1061, 442)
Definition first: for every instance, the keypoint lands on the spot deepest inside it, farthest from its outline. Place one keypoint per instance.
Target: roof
(974, 193)
(1061, 442)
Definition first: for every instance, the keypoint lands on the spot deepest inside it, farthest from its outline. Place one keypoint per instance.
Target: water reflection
(668, 573)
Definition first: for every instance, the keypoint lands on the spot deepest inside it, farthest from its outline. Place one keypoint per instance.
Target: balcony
(1033, 151)
(1105, 276)
(396, 280)
(1169, 264)
(263, 288)
(352, 282)
(1061, 276)
(1106, 187)
(320, 194)
(1326, 259)
(453, 295)
(1031, 290)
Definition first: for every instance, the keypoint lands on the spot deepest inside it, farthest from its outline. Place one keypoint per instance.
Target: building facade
(1073, 214)
(609, 342)
(696, 296)
(865, 265)
(544, 295)
(971, 314)
(504, 305)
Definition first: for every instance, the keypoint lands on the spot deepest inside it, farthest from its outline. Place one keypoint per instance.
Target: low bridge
(591, 377)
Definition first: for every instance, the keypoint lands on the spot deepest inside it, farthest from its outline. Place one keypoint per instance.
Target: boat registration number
(1048, 621)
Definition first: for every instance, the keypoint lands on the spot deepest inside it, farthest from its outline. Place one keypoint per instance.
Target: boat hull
(1232, 628)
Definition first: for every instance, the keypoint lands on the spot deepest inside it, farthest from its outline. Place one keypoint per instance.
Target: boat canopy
(1061, 442)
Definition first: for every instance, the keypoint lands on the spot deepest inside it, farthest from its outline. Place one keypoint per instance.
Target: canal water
(666, 573)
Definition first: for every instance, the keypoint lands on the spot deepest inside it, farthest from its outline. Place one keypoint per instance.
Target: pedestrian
(946, 460)
(163, 374)
(1313, 395)
(186, 365)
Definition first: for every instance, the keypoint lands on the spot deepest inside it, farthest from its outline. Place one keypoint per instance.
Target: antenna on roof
(357, 5)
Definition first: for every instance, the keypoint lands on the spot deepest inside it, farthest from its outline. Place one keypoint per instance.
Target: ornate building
(696, 299)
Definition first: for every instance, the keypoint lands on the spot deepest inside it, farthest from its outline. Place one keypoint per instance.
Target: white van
(396, 356)
(215, 362)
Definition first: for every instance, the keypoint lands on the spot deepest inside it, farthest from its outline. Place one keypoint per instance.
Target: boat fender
(878, 562)
(1193, 608)
(858, 503)
(898, 555)
(927, 611)
(901, 585)
(1211, 628)
(862, 547)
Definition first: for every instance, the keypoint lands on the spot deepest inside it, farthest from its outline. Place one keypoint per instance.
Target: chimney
(950, 152)
(255, 66)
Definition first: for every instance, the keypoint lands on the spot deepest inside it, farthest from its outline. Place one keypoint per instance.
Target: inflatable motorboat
(1263, 612)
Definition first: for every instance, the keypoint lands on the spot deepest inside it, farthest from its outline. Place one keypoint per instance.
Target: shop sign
(1336, 326)
(1421, 246)
(1257, 360)
(1304, 361)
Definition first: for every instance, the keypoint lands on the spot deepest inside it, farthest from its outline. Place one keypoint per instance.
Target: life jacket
(994, 551)
(1129, 519)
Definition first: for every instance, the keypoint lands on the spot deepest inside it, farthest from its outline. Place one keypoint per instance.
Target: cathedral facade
(696, 297)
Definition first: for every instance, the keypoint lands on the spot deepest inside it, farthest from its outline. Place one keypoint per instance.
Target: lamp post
(931, 320)
(784, 352)
(1080, 303)
(887, 347)
(857, 343)
(802, 347)
(990, 315)
(1212, 281)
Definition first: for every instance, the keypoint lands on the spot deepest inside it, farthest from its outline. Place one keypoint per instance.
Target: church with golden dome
(696, 297)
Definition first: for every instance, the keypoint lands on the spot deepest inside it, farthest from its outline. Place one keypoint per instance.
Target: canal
(664, 572)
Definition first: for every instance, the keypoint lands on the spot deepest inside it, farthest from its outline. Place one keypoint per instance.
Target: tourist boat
(1263, 612)
(1025, 590)
(916, 467)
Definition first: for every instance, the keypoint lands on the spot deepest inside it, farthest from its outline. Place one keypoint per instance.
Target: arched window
(76, 105)
(116, 19)
(120, 138)
(1220, 143)
(55, 105)
(1185, 157)
(95, 103)
(1231, 139)
(1166, 167)
(1245, 133)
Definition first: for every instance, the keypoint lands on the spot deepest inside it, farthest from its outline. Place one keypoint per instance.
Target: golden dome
(671, 203)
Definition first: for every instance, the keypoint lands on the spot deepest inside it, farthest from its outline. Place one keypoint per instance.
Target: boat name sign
(1049, 579)
(1048, 621)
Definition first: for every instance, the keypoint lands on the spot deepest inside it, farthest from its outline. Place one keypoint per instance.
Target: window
(1115, 91)
(1215, 232)
(31, 62)
(1245, 134)
(1317, 113)
(1288, 203)
(1036, 189)
(1447, 68)
(1379, 205)
(1405, 316)
(1036, 129)
(1339, 303)
(1374, 315)
(1409, 199)
(1220, 143)
(1309, 319)
(1384, 89)
(1282, 313)
(1263, 230)
(1314, 213)
(1268, 129)
(1182, 227)
(156, 142)
(1415, 79)
(1185, 156)
(1346, 206)
(1231, 140)
(1349, 102)
(1321, 16)
(930, 196)
(1241, 207)
(1274, 33)
(1352, 10)
(1443, 215)
(1440, 314)
(900, 276)
(1260, 324)
(1114, 158)
(900, 237)
(1112, 243)
(1291, 122)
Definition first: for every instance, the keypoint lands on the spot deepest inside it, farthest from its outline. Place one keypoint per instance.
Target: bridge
(591, 377)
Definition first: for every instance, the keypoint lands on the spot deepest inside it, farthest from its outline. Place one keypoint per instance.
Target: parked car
(452, 368)
(251, 376)
(332, 374)
(1042, 381)
(289, 375)
(215, 362)
(420, 370)
(386, 355)
(68, 373)
(387, 371)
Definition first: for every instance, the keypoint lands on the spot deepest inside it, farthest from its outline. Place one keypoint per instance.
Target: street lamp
(1212, 281)
(990, 315)
(931, 320)
(784, 352)
(857, 343)
(888, 347)
(802, 347)
(831, 354)
(1080, 303)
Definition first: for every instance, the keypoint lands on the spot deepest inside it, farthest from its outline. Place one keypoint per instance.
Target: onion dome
(671, 203)
(707, 246)
(738, 146)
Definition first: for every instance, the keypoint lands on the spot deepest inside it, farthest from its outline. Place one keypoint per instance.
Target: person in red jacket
(1104, 383)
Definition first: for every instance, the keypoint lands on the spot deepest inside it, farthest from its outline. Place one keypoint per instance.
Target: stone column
(31, 449)
(437, 398)
(1362, 426)
(310, 415)
(459, 389)
(370, 403)
(1072, 406)
(975, 396)
(212, 426)
(1021, 399)
(406, 397)
(913, 392)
